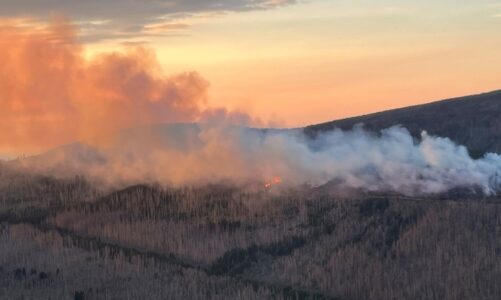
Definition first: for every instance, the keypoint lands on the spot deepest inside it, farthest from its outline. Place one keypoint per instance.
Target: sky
(286, 63)
(329, 59)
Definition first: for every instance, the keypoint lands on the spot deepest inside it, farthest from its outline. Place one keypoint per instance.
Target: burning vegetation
(273, 182)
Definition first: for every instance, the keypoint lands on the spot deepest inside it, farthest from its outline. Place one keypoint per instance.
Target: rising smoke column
(50, 94)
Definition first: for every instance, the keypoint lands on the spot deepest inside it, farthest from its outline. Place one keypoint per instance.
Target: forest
(72, 239)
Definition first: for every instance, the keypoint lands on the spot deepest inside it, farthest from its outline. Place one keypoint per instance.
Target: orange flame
(275, 181)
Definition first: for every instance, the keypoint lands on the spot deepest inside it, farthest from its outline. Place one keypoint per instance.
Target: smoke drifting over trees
(52, 95)
(196, 154)
(207, 209)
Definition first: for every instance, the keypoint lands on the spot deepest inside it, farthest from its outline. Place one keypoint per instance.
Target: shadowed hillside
(473, 121)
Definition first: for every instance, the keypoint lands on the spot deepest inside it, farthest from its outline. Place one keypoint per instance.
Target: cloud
(121, 19)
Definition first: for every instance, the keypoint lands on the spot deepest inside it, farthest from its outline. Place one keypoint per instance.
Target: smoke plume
(50, 94)
(199, 154)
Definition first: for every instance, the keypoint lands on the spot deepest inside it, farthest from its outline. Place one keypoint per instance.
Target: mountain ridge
(473, 121)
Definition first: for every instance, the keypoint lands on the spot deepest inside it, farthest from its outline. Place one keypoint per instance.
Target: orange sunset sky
(291, 63)
(319, 60)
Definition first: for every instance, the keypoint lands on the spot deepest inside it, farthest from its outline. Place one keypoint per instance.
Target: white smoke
(192, 154)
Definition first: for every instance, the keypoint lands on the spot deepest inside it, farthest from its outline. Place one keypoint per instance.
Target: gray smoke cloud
(198, 154)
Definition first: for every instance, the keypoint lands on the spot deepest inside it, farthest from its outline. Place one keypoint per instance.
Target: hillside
(473, 121)
(76, 237)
